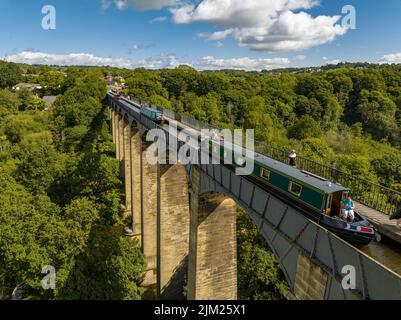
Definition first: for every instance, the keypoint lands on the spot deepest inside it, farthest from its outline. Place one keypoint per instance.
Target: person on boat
(293, 158)
(397, 216)
(348, 209)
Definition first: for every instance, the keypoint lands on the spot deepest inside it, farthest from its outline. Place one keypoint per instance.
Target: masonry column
(212, 270)
(121, 126)
(113, 124)
(117, 133)
(136, 180)
(127, 162)
(149, 196)
(173, 233)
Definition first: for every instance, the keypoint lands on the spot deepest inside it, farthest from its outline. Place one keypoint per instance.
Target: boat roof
(306, 177)
(152, 109)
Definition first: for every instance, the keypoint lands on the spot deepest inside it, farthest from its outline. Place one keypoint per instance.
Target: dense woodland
(61, 194)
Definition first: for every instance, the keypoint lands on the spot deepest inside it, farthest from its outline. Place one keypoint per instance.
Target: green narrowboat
(316, 197)
(153, 114)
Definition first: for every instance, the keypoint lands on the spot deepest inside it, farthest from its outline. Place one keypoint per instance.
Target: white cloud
(159, 62)
(263, 25)
(72, 59)
(216, 36)
(300, 57)
(212, 63)
(333, 61)
(158, 19)
(245, 63)
(143, 4)
(391, 58)
(164, 61)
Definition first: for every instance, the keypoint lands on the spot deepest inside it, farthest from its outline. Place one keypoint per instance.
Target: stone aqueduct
(184, 217)
(182, 230)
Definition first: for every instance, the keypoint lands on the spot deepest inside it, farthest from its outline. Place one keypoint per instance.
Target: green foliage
(10, 74)
(16, 127)
(143, 83)
(108, 269)
(388, 167)
(62, 206)
(316, 149)
(65, 196)
(95, 177)
(40, 168)
(378, 114)
(259, 276)
(52, 82)
(160, 101)
(9, 103)
(355, 164)
(32, 235)
(28, 101)
(305, 127)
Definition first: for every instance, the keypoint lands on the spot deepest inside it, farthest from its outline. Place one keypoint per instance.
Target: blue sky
(208, 34)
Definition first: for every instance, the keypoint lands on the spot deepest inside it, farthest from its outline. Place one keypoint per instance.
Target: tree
(93, 176)
(305, 127)
(143, 83)
(9, 103)
(160, 101)
(10, 74)
(32, 236)
(378, 114)
(259, 276)
(342, 85)
(179, 81)
(316, 149)
(40, 168)
(20, 125)
(84, 212)
(52, 82)
(355, 164)
(388, 167)
(109, 269)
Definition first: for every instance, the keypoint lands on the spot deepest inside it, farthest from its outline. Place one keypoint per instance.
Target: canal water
(387, 252)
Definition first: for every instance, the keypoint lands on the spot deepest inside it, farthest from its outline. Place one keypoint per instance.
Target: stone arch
(223, 193)
(299, 244)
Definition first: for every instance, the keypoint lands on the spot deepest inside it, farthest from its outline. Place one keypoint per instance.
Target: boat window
(329, 201)
(265, 174)
(295, 188)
